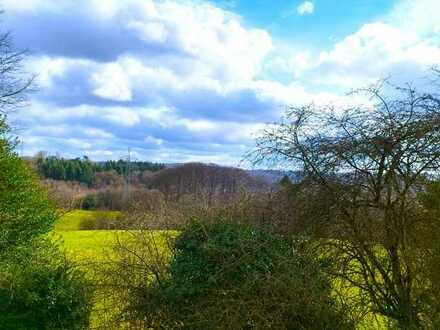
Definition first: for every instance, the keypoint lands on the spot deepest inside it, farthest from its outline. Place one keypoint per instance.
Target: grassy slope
(72, 220)
(86, 247)
(87, 244)
(89, 249)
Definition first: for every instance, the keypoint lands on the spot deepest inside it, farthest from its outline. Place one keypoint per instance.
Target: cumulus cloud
(421, 17)
(187, 80)
(375, 51)
(112, 83)
(306, 7)
(403, 44)
(146, 74)
(211, 40)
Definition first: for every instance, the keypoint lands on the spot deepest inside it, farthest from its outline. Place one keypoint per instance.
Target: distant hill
(274, 176)
(268, 176)
(204, 179)
(83, 170)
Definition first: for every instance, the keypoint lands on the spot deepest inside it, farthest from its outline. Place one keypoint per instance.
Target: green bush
(25, 211)
(428, 238)
(87, 223)
(228, 276)
(90, 202)
(101, 220)
(39, 289)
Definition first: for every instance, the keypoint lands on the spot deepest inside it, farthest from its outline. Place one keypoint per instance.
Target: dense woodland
(83, 170)
(109, 190)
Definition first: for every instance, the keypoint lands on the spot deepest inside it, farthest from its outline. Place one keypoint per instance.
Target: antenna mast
(127, 191)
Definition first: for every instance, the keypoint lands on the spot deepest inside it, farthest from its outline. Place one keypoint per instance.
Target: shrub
(89, 202)
(25, 210)
(101, 220)
(87, 223)
(228, 276)
(39, 289)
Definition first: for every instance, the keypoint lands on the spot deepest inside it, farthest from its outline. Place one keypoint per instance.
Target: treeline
(83, 170)
(204, 181)
(121, 166)
(187, 182)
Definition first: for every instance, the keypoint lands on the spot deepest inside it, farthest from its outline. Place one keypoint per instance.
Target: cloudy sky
(195, 80)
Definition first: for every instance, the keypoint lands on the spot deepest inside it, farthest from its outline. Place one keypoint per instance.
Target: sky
(197, 80)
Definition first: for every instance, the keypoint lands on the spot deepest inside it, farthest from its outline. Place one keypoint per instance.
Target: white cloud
(111, 82)
(306, 7)
(213, 42)
(375, 51)
(78, 144)
(150, 31)
(121, 116)
(224, 48)
(421, 17)
(187, 55)
(92, 132)
(217, 44)
(403, 44)
(49, 68)
(31, 5)
(152, 140)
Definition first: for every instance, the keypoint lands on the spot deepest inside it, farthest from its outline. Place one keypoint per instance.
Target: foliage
(89, 202)
(25, 210)
(120, 166)
(206, 182)
(83, 170)
(101, 220)
(87, 220)
(226, 276)
(429, 239)
(40, 289)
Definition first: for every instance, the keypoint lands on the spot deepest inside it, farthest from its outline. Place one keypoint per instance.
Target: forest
(83, 170)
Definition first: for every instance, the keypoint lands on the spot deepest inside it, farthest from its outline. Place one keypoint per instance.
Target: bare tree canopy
(369, 162)
(14, 82)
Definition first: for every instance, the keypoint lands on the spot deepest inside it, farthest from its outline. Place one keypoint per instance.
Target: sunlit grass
(72, 220)
(83, 245)
(91, 249)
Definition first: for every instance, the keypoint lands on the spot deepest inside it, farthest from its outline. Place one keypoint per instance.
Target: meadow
(76, 220)
(91, 249)
(87, 248)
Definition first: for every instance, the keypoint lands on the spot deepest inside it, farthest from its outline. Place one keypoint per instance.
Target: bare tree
(15, 83)
(369, 162)
(204, 182)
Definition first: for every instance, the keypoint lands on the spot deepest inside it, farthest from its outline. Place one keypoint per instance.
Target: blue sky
(197, 80)
(331, 20)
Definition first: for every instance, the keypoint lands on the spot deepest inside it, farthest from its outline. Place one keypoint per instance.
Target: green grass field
(74, 220)
(89, 247)
(81, 245)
